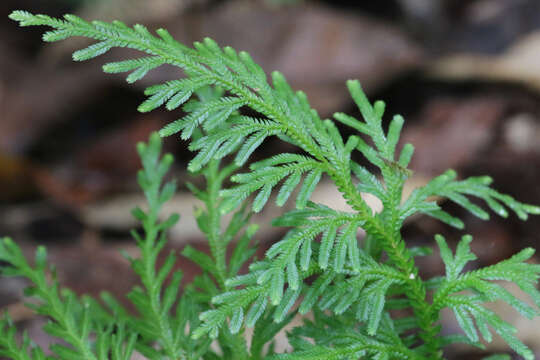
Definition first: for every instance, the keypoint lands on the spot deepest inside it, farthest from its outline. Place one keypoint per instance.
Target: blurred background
(465, 74)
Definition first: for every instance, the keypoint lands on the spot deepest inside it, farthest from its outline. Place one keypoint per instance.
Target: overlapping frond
(346, 277)
(317, 266)
(338, 337)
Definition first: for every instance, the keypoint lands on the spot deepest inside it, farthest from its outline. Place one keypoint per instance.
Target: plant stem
(217, 246)
(148, 277)
(400, 256)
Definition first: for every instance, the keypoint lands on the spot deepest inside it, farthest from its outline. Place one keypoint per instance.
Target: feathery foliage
(320, 267)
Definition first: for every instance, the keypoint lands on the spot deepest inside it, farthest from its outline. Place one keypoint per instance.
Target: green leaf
(393, 134)
(327, 244)
(305, 255)
(308, 186)
(236, 320)
(292, 275)
(466, 323)
(289, 298)
(256, 311)
(287, 188)
(92, 51)
(262, 198)
(276, 288)
(249, 147)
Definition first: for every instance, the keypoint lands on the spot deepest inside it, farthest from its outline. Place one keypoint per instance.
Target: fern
(11, 349)
(318, 267)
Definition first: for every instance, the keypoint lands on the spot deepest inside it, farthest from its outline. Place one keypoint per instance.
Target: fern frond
(349, 289)
(336, 337)
(265, 331)
(318, 219)
(209, 219)
(289, 114)
(155, 301)
(446, 186)
(365, 289)
(206, 64)
(243, 130)
(467, 308)
(10, 348)
(514, 269)
(62, 308)
(72, 319)
(116, 343)
(139, 67)
(268, 173)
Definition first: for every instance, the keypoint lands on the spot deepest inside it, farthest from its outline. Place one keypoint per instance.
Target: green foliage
(11, 349)
(346, 287)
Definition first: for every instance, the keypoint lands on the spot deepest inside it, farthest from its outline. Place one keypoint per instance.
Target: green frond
(139, 67)
(288, 113)
(172, 93)
(372, 127)
(445, 185)
(368, 182)
(267, 174)
(71, 320)
(116, 343)
(10, 347)
(155, 301)
(318, 266)
(318, 219)
(334, 339)
(467, 308)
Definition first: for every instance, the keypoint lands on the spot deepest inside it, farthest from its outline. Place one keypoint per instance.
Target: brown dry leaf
(449, 133)
(519, 64)
(15, 176)
(40, 98)
(115, 213)
(86, 267)
(98, 167)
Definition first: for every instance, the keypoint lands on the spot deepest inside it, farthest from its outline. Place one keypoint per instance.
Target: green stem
(400, 256)
(148, 252)
(217, 246)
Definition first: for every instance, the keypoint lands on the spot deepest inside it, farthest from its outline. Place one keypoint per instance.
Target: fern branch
(10, 348)
(514, 269)
(153, 306)
(60, 308)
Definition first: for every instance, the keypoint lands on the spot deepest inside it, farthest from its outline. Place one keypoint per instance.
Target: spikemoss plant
(350, 286)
